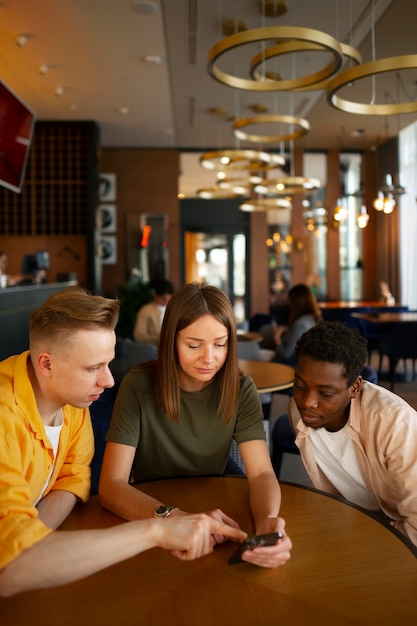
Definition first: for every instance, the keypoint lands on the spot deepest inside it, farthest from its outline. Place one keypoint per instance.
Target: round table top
(346, 569)
(268, 376)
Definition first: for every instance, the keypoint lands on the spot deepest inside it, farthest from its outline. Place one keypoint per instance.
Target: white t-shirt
(54, 433)
(162, 309)
(335, 455)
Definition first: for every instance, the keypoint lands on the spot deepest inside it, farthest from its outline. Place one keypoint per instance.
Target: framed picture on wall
(107, 187)
(108, 250)
(108, 218)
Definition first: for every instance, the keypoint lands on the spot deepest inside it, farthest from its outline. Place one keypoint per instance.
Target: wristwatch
(163, 510)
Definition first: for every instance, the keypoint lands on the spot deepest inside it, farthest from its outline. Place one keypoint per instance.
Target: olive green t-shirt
(198, 444)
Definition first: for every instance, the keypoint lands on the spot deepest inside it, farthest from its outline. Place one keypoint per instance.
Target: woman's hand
(278, 331)
(270, 556)
(218, 515)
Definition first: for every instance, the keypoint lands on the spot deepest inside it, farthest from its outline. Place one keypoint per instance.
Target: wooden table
(268, 376)
(346, 569)
(354, 304)
(248, 335)
(387, 318)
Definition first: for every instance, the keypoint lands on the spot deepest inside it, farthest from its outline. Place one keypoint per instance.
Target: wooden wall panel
(147, 182)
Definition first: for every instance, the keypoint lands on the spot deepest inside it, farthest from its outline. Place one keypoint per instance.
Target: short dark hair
(334, 342)
(161, 287)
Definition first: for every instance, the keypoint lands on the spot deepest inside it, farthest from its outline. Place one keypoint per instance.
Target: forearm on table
(64, 556)
(128, 502)
(55, 507)
(265, 497)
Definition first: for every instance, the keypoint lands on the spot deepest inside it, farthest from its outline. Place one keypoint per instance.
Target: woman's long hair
(188, 304)
(302, 302)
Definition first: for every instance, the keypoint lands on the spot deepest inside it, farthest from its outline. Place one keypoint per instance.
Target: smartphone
(253, 542)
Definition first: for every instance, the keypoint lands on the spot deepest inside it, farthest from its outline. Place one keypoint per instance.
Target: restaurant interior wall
(146, 183)
(55, 210)
(140, 190)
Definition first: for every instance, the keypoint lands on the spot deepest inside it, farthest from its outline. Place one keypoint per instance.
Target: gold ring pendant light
(295, 46)
(265, 204)
(287, 186)
(303, 125)
(217, 193)
(239, 185)
(241, 160)
(292, 33)
(390, 64)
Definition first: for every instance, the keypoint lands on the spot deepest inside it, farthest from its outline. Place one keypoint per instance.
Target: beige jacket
(148, 324)
(383, 428)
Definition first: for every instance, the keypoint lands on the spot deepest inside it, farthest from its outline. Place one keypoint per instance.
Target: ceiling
(94, 52)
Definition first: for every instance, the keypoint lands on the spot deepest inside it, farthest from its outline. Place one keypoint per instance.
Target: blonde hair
(70, 310)
(188, 304)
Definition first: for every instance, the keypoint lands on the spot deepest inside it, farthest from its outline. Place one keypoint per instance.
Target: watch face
(162, 510)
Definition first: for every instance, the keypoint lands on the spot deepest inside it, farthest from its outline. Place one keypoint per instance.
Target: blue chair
(258, 320)
(139, 352)
(100, 412)
(399, 341)
(283, 439)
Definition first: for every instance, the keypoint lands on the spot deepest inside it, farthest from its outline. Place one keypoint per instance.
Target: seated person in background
(304, 313)
(178, 415)
(278, 302)
(46, 445)
(149, 317)
(356, 439)
(5, 279)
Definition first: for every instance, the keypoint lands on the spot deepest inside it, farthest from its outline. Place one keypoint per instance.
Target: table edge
(407, 542)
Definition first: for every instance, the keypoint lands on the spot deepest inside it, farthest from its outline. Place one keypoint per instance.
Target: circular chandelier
(265, 204)
(389, 64)
(217, 193)
(303, 125)
(294, 46)
(241, 186)
(287, 185)
(291, 33)
(243, 160)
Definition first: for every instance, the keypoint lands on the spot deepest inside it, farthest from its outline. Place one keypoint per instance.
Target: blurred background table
(248, 335)
(346, 568)
(405, 317)
(268, 376)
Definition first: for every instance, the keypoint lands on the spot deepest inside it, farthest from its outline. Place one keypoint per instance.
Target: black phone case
(253, 542)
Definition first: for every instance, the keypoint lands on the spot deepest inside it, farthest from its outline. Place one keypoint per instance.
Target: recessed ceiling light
(153, 59)
(21, 40)
(145, 7)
